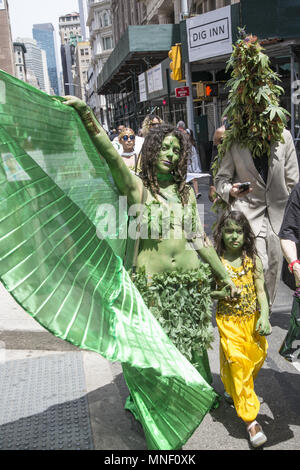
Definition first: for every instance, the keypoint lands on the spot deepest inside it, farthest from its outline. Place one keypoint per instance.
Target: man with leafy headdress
(257, 149)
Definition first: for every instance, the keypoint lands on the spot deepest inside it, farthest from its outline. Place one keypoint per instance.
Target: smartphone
(244, 186)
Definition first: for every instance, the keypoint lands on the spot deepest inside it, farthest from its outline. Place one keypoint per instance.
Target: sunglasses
(126, 137)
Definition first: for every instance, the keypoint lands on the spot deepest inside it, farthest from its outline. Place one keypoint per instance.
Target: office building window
(106, 19)
(107, 43)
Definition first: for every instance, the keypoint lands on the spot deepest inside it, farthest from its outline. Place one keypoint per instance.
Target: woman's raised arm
(127, 183)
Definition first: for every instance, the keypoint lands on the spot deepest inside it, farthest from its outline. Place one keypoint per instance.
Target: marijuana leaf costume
(257, 148)
(70, 278)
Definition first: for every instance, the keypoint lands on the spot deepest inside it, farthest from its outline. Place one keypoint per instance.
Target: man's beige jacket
(237, 166)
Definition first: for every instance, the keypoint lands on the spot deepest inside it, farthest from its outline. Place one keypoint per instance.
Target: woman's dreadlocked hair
(150, 151)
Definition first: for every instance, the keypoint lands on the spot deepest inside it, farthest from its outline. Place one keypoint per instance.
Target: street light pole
(189, 99)
(188, 76)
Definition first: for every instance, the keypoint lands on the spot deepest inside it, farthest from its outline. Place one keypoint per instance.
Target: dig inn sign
(209, 34)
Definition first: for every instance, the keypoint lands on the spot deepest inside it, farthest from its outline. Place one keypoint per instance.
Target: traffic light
(164, 102)
(211, 90)
(175, 64)
(207, 90)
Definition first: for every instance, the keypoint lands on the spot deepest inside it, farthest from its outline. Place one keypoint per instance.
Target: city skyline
(23, 15)
(44, 35)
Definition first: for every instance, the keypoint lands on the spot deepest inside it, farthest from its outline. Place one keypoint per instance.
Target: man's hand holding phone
(240, 189)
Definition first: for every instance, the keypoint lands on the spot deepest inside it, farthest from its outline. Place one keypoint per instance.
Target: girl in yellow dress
(242, 322)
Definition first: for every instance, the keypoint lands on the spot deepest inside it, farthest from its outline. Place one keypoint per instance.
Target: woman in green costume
(171, 248)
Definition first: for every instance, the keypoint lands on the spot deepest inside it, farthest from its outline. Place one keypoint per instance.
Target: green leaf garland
(181, 302)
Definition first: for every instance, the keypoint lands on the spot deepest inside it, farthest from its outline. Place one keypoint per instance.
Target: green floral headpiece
(255, 118)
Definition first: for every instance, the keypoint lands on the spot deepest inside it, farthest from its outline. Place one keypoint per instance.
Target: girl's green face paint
(233, 236)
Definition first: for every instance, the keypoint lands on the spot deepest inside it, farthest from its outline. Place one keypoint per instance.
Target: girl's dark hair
(239, 218)
(150, 151)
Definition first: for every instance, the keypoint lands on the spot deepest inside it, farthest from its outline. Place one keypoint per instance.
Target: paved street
(55, 396)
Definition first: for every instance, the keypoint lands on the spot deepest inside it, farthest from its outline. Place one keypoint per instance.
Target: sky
(24, 13)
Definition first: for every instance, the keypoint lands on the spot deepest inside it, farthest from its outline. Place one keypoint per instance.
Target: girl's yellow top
(243, 278)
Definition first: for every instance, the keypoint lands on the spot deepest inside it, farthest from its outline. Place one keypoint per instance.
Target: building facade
(82, 63)
(204, 6)
(83, 13)
(100, 26)
(45, 38)
(124, 104)
(7, 62)
(69, 27)
(36, 63)
(126, 13)
(70, 34)
(126, 79)
(20, 65)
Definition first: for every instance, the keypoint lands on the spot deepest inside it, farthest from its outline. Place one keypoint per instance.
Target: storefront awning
(140, 48)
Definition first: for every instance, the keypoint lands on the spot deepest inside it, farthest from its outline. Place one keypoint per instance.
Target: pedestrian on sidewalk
(290, 234)
(217, 140)
(242, 322)
(113, 134)
(181, 126)
(150, 121)
(129, 148)
(194, 166)
(290, 244)
(120, 128)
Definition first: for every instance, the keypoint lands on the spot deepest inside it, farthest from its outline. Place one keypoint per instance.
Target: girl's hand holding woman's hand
(263, 326)
(234, 291)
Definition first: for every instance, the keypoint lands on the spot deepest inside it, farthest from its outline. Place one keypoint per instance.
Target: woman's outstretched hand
(78, 104)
